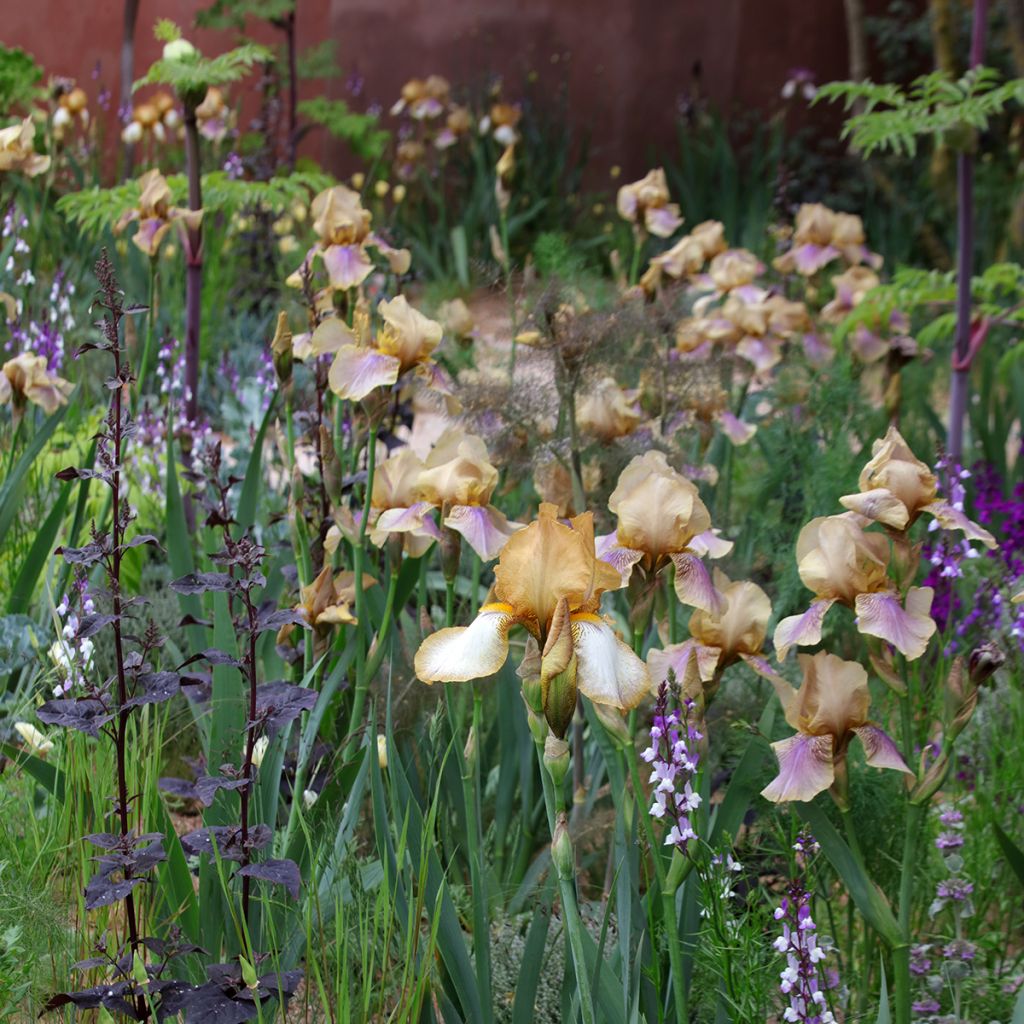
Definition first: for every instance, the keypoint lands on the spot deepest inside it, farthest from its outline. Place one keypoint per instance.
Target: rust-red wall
(625, 62)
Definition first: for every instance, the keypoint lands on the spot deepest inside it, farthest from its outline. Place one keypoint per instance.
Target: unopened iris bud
(281, 350)
(556, 759)
(331, 463)
(614, 724)
(469, 751)
(382, 751)
(961, 700)
(451, 552)
(983, 663)
(558, 671)
(561, 848)
(538, 727)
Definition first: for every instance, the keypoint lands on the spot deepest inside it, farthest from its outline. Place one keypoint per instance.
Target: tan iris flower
(213, 115)
(458, 478)
(896, 487)
(394, 508)
(840, 562)
(717, 639)
(25, 379)
(828, 710)
(364, 360)
(342, 226)
(548, 580)
(18, 150)
(156, 215)
(645, 203)
(607, 412)
(734, 268)
(662, 519)
(424, 98)
(687, 256)
(325, 603)
(820, 236)
(850, 288)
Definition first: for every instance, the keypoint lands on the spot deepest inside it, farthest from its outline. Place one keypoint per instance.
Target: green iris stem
(673, 610)
(358, 561)
(449, 602)
(300, 540)
(147, 348)
(639, 237)
(570, 904)
(901, 954)
(667, 887)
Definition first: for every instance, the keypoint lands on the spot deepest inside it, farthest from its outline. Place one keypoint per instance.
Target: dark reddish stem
(965, 260)
(194, 270)
(250, 738)
(293, 89)
(117, 538)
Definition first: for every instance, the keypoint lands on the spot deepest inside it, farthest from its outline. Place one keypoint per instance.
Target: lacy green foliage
(995, 294)
(96, 209)
(193, 75)
(361, 131)
(893, 119)
(19, 78)
(319, 61)
(232, 13)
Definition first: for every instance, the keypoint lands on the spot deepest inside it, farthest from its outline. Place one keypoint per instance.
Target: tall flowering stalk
(673, 757)
(800, 980)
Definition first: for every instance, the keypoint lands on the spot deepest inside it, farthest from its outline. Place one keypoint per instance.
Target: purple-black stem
(965, 258)
(194, 269)
(250, 736)
(117, 539)
(131, 13)
(293, 88)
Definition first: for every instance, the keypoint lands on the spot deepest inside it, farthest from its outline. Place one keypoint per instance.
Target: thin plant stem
(358, 560)
(147, 348)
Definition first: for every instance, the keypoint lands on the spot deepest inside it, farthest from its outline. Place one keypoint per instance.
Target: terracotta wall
(625, 63)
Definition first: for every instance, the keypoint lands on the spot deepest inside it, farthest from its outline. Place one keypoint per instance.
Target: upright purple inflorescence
(673, 757)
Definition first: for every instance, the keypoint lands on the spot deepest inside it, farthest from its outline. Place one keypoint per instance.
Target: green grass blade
(38, 555)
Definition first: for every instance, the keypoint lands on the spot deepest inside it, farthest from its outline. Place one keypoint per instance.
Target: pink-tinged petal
(867, 346)
(662, 220)
(461, 653)
(908, 630)
(690, 662)
(356, 371)
(607, 549)
(399, 260)
(817, 350)
(150, 234)
(709, 542)
(735, 429)
(694, 586)
(879, 749)
(805, 768)
(809, 258)
(607, 670)
(330, 336)
(485, 528)
(762, 353)
(347, 265)
(751, 294)
(802, 630)
(950, 518)
(696, 355)
(880, 505)
(401, 520)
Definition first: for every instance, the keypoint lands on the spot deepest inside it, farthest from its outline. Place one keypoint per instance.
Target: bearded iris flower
(25, 379)
(662, 519)
(717, 639)
(364, 361)
(896, 488)
(156, 215)
(840, 562)
(458, 478)
(548, 580)
(645, 203)
(822, 235)
(342, 227)
(608, 412)
(18, 150)
(828, 710)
